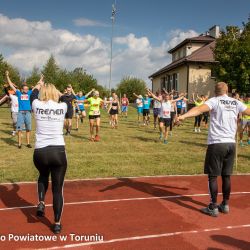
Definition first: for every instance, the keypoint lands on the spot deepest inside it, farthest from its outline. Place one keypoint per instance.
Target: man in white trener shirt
(220, 154)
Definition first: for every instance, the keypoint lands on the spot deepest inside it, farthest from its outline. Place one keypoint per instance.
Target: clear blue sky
(152, 18)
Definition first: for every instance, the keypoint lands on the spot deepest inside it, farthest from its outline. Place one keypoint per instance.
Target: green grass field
(128, 151)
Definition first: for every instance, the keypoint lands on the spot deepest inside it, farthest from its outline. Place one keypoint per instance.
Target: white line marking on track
(125, 199)
(148, 237)
(123, 177)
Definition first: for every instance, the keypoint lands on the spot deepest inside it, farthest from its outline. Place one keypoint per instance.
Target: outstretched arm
(153, 95)
(135, 95)
(194, 112)
(9, 81)
(246, 112)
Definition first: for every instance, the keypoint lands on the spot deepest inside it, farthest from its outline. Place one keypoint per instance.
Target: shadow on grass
(230, 241)
(11, 198)
(144, 139)
(10, 141)
(244, 156)
(156, 190)
(80, 137)
(194, 143)
(5, 131)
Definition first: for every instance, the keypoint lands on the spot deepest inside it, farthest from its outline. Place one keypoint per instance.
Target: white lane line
(123, 177)
(125, 199)
(147, 237)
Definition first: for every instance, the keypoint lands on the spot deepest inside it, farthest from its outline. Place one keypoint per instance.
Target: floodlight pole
(111, 45)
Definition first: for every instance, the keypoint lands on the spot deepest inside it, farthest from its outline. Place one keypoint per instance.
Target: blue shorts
(139, 110)
(81, 108)
(124, 108)
(23, 117)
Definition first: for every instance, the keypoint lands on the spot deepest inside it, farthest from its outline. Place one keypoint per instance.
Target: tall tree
(130, 85)
(50, 70)
(34, 77)
(232, 51)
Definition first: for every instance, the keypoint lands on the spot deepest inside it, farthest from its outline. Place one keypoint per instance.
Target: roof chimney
(214, 31)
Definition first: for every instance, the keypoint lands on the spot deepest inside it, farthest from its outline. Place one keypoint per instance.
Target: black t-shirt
(68, 99)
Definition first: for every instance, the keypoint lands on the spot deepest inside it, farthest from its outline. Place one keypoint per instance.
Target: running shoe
(223, 208)
(242, 144)
(170, 133)
(66, 133)
(165, 142)
(211, 212)
(81, 120)
(19, 146)
(97, 138)
(57, 228)
(199, 130)
(40, 209)
(76, 129)
(13, 133)
(195, 130)
(29, 146)
(92, 139)
(160, 136)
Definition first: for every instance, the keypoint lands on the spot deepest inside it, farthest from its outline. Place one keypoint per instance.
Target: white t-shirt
(139, 103)
(224, 111)
(49, 118)
(14, 103)
(165, 109)
(157, 104)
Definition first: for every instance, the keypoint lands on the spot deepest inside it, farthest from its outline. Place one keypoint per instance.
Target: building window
(163, 82)
(175, 81)
(213, 73)
(168, 83)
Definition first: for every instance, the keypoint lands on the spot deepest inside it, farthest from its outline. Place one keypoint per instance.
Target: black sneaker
(40, 209)
(81, 120)
(57, 228)
(19, 146)
(29, 146)
(67, 133)
(223, 208)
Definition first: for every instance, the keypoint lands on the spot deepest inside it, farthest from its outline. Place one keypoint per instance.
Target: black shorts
(165, 121)
(93, 117)
(113, 112)
(69, 114)
(146, 112)
(219, 159)
(179, 111)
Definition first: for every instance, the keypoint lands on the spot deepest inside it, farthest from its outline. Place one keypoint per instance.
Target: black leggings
(205, 117)
(197, 122)
(213, 188)
(51, 159)
(172, 120)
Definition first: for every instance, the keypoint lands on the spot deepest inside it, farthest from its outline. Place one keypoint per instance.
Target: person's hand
(41, 81)
(178, 120)
(7, 73)
(93, 90)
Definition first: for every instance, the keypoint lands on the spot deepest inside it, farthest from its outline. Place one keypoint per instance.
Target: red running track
(130, 213)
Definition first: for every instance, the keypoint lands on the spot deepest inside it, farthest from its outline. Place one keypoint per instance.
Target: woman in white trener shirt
(49, 155)
(220, 154)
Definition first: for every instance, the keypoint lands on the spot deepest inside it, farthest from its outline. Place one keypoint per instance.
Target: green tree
(130, 85)
(34, 77)
(14, 73)
(232, 52)
(51, 71)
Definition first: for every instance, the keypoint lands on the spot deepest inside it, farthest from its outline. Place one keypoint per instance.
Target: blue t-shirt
(80, 104)
(24, 100)
(179, 104)
(146, 103)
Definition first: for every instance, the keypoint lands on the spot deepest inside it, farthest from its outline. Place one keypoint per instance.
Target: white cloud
(85, 22)
(28, 43)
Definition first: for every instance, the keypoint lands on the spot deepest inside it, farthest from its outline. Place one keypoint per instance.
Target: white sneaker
(199, 130)
(195, 130)
(13, 133)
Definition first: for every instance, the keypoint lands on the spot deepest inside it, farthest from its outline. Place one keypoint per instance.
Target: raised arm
(92, 90)
(246, 112)
(36, 89)
(12, 85)
(153, 95)
(135, 95)
(165, 91)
